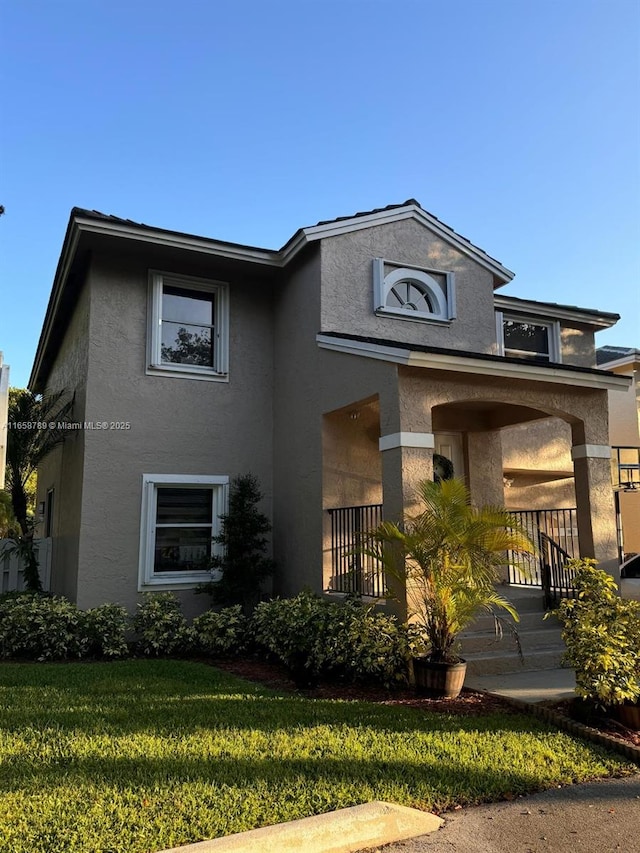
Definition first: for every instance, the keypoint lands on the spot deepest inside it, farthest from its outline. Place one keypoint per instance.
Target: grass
(143, 755)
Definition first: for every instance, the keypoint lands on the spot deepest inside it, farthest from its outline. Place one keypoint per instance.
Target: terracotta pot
(628, 714)
(439, 680)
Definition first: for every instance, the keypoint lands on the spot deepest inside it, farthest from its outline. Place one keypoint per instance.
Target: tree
(189, 348)
(243, 563)
(8, 524)
(35, 428)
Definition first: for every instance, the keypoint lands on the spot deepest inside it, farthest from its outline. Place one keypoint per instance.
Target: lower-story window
(180, 516)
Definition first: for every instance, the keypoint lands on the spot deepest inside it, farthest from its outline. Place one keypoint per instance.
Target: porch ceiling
(480, 415)
(538, 475)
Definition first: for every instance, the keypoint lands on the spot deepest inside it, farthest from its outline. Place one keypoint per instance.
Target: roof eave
(474, 364)
(384, 217)
(67, 255)
(600, 320)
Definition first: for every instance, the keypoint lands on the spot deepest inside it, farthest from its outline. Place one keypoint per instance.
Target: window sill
(186, 373)
(412, 316)
(189, 581)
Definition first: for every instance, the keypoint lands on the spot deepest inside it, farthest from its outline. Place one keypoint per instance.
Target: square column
(407, 459)
(595, 505)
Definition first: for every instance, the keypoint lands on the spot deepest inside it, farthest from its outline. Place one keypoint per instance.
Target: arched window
(412, 292)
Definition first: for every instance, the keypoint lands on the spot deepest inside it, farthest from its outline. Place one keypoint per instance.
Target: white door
(449, 445)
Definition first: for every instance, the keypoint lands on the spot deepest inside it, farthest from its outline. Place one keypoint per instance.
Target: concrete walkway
(599, 817)
(550, 685)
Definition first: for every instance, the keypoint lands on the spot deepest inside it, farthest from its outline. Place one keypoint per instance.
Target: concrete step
(528, 622)
(482, 641)
(482, 663)
(524, 599)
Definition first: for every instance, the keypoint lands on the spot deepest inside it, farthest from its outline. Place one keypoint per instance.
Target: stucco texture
(347, 287)
(63, 469)
(178, 426)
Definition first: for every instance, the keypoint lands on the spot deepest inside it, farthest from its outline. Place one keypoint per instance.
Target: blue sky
(516, 123)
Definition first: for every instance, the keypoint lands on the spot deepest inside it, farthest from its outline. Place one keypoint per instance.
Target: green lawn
(143, 755)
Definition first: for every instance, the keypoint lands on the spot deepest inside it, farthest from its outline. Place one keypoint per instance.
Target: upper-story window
(413, 293)
(527, 337)
(188, 328)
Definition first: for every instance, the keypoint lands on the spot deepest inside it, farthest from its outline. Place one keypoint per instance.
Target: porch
(511, 443)
(554, 531)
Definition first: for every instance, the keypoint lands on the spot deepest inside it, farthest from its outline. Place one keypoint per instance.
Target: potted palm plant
(447, 558)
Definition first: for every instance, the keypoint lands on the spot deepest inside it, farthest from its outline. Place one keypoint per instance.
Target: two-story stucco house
(332, 369)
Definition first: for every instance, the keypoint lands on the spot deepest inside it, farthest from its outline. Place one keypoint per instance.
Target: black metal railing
(555, 534)
(352, 570)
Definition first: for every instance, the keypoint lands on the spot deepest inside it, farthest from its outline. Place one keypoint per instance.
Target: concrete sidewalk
(550, 685)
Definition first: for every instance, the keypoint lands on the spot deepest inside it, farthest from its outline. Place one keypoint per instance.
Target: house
(332, 369)
(4, 409)
(624, 427)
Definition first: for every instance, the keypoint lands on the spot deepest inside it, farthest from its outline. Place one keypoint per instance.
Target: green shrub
(106, 629)
(160, 625)
(602, 635)
(361, 644)
(348, 640)
(243, 560)
(288, 629)
(41, 628)
(221, 633)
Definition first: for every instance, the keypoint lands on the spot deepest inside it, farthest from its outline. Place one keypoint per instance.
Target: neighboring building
(4, 407)
(332, 369)
(624, 428)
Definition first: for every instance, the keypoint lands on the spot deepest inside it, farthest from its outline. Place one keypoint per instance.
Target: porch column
(594, 500)
(485, 479)
(407, 459)
(485, 474)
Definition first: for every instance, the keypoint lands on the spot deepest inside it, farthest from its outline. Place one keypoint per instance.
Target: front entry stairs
(540, 638)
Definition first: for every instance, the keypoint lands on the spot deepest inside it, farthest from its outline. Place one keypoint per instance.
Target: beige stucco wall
(297, 459)
(347, 293)
(63, 469)
(577, 343)
(624, 410)
(352, 465)
(178, 425)
(539, 445)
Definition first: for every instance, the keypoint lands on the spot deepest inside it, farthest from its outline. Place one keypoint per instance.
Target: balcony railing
(352, 570)
(625, 467)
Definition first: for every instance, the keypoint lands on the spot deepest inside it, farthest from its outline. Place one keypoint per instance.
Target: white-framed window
(532, 338)
(188, 332)
(413, 293)
(180, 516)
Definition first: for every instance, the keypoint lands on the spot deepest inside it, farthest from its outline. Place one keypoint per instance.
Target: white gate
(11, 569)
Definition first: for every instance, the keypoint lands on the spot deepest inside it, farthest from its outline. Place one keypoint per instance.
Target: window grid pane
(187, 326)
(184, 529)
(526, 340)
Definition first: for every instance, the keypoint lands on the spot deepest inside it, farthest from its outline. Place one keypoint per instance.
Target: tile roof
(108, 217)
(411, 202)
(594, 311)
(609, 353)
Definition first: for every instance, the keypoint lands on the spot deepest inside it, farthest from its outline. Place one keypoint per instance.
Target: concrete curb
(341, 831)
(572, 726)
